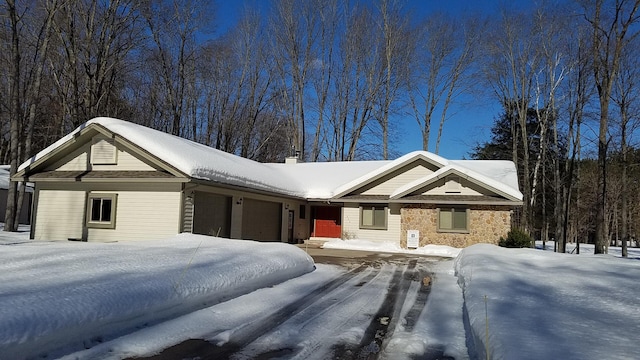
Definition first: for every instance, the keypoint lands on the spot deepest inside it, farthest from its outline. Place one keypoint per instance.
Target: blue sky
(469, 124)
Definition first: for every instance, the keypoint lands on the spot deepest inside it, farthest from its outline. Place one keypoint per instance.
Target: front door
(327, 221)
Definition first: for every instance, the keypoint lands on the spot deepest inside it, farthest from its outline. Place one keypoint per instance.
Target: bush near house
(516, 238)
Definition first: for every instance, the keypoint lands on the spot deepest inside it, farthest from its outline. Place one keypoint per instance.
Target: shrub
(516, 238)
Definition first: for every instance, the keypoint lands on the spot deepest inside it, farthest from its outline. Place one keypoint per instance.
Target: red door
(326, 222)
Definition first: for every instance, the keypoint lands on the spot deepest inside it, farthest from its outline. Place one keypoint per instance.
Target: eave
(103, 176)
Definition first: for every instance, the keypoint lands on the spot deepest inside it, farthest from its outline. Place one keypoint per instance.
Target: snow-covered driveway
(376, 308)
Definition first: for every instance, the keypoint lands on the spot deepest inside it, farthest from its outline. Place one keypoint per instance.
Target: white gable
(481, 180)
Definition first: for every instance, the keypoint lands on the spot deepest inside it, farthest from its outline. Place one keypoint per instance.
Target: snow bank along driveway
(544, 305)
(57, 297)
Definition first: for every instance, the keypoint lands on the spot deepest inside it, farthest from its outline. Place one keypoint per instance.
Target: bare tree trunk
(15, 113)
(609, 40)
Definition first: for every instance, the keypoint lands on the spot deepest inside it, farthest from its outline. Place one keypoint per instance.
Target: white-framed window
(101, 211)
(373, 217)
(453, 219)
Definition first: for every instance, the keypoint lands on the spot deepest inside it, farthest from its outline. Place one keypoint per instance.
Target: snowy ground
(118, 300)
(59, 296)
(533, 304)
(377, 246)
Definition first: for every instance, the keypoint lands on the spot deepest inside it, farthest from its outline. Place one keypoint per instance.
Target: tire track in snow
(330, 313)
(357, 313)
(384, 321)
(241, 337)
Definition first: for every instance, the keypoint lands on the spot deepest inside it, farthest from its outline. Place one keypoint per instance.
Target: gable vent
(453, 185)
(103, 151)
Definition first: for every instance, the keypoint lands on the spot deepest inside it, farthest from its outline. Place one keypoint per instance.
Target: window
(373, 217)
(101, 211)
(303, 211)
(453, 220)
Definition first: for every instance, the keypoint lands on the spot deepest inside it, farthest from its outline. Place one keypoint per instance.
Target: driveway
(353, 316)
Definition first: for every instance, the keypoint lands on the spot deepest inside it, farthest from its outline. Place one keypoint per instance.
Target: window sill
(93, 225)
(372, 228)
(453, 231)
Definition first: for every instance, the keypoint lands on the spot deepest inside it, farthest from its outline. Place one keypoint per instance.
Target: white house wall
(351, 225)
(401, 177)
(142, 215)
(78, 160)
(143, 211)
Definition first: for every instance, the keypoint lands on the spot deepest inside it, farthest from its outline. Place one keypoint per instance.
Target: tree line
(567, 79)
(332, 80)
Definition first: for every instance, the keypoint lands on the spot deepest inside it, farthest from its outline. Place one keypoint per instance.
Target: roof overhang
(105, 176)
(428, 199)
(245, 189)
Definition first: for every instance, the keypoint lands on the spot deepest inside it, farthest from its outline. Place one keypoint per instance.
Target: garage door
(261, 220)
(212, 214)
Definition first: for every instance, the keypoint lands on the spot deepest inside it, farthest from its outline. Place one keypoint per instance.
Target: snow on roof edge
(200, 161)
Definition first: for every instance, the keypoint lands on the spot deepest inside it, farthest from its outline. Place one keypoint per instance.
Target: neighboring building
(113, 180)
(25, 209)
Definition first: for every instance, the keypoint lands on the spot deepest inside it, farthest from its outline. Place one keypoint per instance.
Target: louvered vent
(187, 225)
(103, 151)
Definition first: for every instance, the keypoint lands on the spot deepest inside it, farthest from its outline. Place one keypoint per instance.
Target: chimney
(293, 159)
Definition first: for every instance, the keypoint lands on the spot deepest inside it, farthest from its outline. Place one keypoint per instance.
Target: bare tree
(357, 87)
(427, 85)
(577, 92)
(547, 82)
(444, 52)
(295, 30)
(612, 32)
(395, 35)
(173, 25)
(94, 39)
(511, 68)
(323, 71)
(625, 96)
(14, 113)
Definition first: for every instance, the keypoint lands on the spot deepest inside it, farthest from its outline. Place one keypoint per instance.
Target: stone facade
(486, 225)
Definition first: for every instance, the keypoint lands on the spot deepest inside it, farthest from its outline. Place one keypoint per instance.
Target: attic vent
(453, 185)
(103, 151)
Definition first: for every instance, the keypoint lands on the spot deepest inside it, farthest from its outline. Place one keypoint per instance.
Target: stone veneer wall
(486, 225)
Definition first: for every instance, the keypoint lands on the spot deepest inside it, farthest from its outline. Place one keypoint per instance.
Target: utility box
(413, 239)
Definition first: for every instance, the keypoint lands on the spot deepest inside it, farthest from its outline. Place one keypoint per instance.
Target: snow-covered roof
(4, 179)
(306, 180)
(4, 176)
